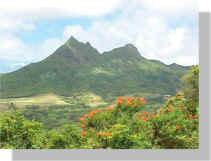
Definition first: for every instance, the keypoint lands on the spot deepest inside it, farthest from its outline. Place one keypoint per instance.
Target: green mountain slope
(77, 67)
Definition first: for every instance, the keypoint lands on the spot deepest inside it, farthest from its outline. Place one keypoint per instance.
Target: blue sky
(51, 28)
(55, 27)
(166, 31)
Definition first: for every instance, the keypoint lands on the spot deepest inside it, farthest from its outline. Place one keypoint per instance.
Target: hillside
(77, 67)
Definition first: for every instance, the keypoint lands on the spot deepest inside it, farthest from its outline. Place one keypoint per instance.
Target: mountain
(77, 67)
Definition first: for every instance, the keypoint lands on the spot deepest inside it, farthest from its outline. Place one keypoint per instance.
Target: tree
(191, 88)
(12, 106)
(18, 133)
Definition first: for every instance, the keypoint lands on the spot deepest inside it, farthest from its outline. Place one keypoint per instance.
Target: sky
(164, 30)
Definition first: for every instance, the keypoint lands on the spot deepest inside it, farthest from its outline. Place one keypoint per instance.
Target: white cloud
(57, 8)
(14, 49)
(22, 15)
(164, 30)
(18, 64)
(8, 25)
(11, 47)
(149, 31)
(175, 39)
(170, 6)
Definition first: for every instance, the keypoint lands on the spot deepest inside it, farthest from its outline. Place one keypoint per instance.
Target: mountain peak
(87, 43)
(72, 39)
(73, 42)
(78, 52)
(130, 49)
(130, 46)
(127, 51)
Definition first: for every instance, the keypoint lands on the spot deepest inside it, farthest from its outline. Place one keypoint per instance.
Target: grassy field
(41, 100)
(54, 111)
(88, 99)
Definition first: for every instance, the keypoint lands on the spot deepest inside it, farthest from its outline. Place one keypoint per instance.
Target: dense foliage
(54, 116)
(125, 125)
(18, 133)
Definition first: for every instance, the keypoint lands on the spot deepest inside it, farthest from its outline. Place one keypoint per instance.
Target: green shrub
(123, 127)
(65, 137)
(18, 133)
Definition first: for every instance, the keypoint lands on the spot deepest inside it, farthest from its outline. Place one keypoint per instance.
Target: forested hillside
(77, 67)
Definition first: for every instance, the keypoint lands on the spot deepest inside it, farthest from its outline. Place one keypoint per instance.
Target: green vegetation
(78, 68)
(41, 100)
(46, 100)
(18, 133)
(125, 125)
(55, 116)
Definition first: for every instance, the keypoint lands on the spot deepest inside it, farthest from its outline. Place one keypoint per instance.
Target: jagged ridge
(78, 67)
